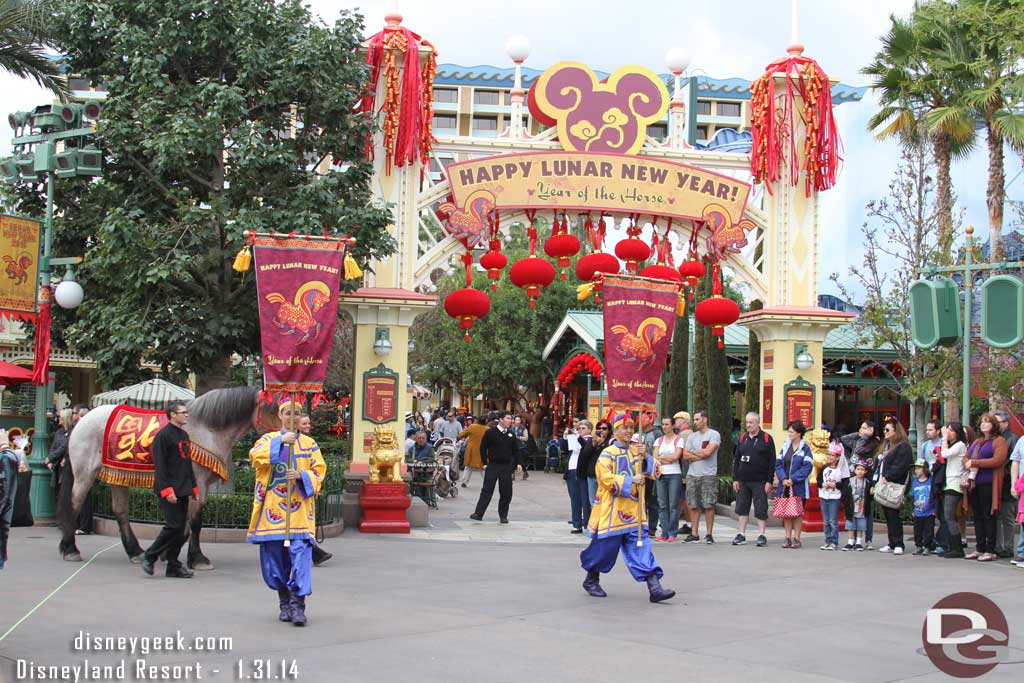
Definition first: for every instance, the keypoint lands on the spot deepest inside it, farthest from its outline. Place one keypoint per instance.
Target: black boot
(592, 584)
(284, 598)
(320, 556)
(298, 611)
(657, 592)
(955, 549)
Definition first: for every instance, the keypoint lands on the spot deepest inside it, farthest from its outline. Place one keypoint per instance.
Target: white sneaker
(868, 546)
(897, 551)
(831, 546)
(824, 547)
(885, 549)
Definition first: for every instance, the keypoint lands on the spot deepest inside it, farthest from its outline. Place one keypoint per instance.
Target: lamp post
(677, 59)
(517, 48)
(36, 134)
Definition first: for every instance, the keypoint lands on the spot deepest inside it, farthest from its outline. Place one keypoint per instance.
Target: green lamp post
(37, 134)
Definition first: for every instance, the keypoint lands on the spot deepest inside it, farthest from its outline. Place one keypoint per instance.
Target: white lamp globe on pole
(68, 294)
(677, 59)
(517, 48)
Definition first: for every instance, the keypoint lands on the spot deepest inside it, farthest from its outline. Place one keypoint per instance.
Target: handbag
(787, 505)
(890, 494)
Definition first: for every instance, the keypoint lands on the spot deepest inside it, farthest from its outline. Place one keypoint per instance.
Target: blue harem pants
(289, 568)
(601, 554)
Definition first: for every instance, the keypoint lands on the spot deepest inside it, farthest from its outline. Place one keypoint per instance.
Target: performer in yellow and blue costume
(280, 458)
(622, 469)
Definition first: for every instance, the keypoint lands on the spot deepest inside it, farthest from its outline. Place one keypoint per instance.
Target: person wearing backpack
(753, 467)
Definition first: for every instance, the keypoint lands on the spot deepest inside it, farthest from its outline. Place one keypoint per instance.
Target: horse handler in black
(499, 451)
(173, 482)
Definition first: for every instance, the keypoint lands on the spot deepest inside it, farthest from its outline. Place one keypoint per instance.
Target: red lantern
(717, 311)
(598, 262)
(632, 250)
(692, 271)
(532, 274)
(494, 261)
(562, 247)
(660, 271)
(467, 306)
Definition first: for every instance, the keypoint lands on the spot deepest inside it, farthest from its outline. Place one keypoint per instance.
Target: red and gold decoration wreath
(775, 129)
(591, 268)
(407, 100)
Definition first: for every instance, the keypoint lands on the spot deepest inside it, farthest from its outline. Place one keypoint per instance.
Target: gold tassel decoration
(584, 291)
(681, 305)
(243, 260)
(352, 269)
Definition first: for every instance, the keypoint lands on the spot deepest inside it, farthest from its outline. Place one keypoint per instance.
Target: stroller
(554, 456)
(446, 474)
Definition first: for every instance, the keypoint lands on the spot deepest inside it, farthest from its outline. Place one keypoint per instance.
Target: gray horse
(217, 419)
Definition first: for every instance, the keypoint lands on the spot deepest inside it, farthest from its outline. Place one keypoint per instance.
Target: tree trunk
(942, 150)
(752, 390)
(679, 366)
(996, 193)
(215, 377)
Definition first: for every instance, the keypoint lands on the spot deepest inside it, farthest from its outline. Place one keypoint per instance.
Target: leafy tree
(700, 351)
(900, 243)
(674, 398)
(23, 43)
(752, 389)
(222, 116)
(505, 350)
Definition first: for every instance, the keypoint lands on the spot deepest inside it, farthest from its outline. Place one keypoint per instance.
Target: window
(486, 97)
(702, 132)
(658, 130)
(78, 83)
(444, 122)
(485, 123)
(728, 108)
(446, 95)
(703, 108)
(439, 164)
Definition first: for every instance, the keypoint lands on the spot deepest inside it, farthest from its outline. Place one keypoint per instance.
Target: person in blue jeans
(667, 452)
(831, 494)
(924, 508)
(576, 480)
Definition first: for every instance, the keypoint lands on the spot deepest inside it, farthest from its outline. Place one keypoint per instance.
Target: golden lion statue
(818, 440)
(385, 456)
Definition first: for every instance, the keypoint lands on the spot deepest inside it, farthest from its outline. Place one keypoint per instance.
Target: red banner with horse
(639, 314)
(128, 448)
(297, 281)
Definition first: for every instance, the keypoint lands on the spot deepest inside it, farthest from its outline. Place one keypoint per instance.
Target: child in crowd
(924, 508)
(859, 524)
(830, 493)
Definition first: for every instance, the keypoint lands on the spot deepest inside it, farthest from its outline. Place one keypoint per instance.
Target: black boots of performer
(592, 585)
(293, 607)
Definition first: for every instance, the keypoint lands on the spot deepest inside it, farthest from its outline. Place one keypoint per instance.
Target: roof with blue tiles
(483, 75)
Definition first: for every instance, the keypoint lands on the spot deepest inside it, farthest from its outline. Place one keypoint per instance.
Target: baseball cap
(921, 463)
(682, 414)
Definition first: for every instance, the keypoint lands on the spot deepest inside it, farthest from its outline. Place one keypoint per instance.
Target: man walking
(701, 452)
(449, 428)
(499, 452)
(753, 467)
(173, 482)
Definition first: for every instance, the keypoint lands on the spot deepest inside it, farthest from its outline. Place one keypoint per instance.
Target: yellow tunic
(616, 511)
(269, 509)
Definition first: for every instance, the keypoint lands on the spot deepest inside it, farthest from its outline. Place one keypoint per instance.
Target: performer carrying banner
(286, 461)
(619, 519)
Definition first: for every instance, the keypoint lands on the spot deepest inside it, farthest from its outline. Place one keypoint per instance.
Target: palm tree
(994, 36)
(920, 99)
(22, 45)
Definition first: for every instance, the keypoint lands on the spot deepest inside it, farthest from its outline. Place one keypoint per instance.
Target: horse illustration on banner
(299, 316)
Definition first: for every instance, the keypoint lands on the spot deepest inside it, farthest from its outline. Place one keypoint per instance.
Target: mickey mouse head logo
(599, 116)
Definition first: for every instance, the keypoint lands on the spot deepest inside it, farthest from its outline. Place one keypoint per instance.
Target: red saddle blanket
(128, 448)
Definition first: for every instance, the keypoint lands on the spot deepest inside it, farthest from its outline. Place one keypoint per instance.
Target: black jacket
(499, 449)
(587, 462)
(754, 458)
(59, 447)
(895, 466)
(173, 460)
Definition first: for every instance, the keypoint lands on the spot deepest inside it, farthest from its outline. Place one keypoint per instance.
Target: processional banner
(297, 281)
(639, 314)
(19, 249)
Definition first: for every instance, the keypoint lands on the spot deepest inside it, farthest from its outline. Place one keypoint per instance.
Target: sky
(724, 40)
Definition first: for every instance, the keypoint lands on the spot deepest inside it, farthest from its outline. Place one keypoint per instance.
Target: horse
(217, 420)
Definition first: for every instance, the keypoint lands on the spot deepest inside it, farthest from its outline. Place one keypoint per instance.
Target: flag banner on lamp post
(297, 280)
(19, 251)
(639, 314)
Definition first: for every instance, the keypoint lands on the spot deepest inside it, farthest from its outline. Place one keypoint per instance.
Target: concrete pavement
(490, 602)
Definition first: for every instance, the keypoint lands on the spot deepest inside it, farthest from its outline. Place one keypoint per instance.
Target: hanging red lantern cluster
(494, 262)
(467, 305)
(717, 311)
(579, 363)
(561, 245)
(662, 249)
(633, 250)
(594, 266)
(532, 274)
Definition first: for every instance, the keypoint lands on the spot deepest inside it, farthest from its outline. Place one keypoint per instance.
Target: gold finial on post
(970, 230)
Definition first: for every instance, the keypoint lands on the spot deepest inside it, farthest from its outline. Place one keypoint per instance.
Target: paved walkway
(395, 608)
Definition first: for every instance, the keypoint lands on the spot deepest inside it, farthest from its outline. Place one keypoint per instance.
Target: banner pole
(291, 482)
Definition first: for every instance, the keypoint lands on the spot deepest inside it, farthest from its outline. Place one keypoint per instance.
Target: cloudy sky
(724, 39)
